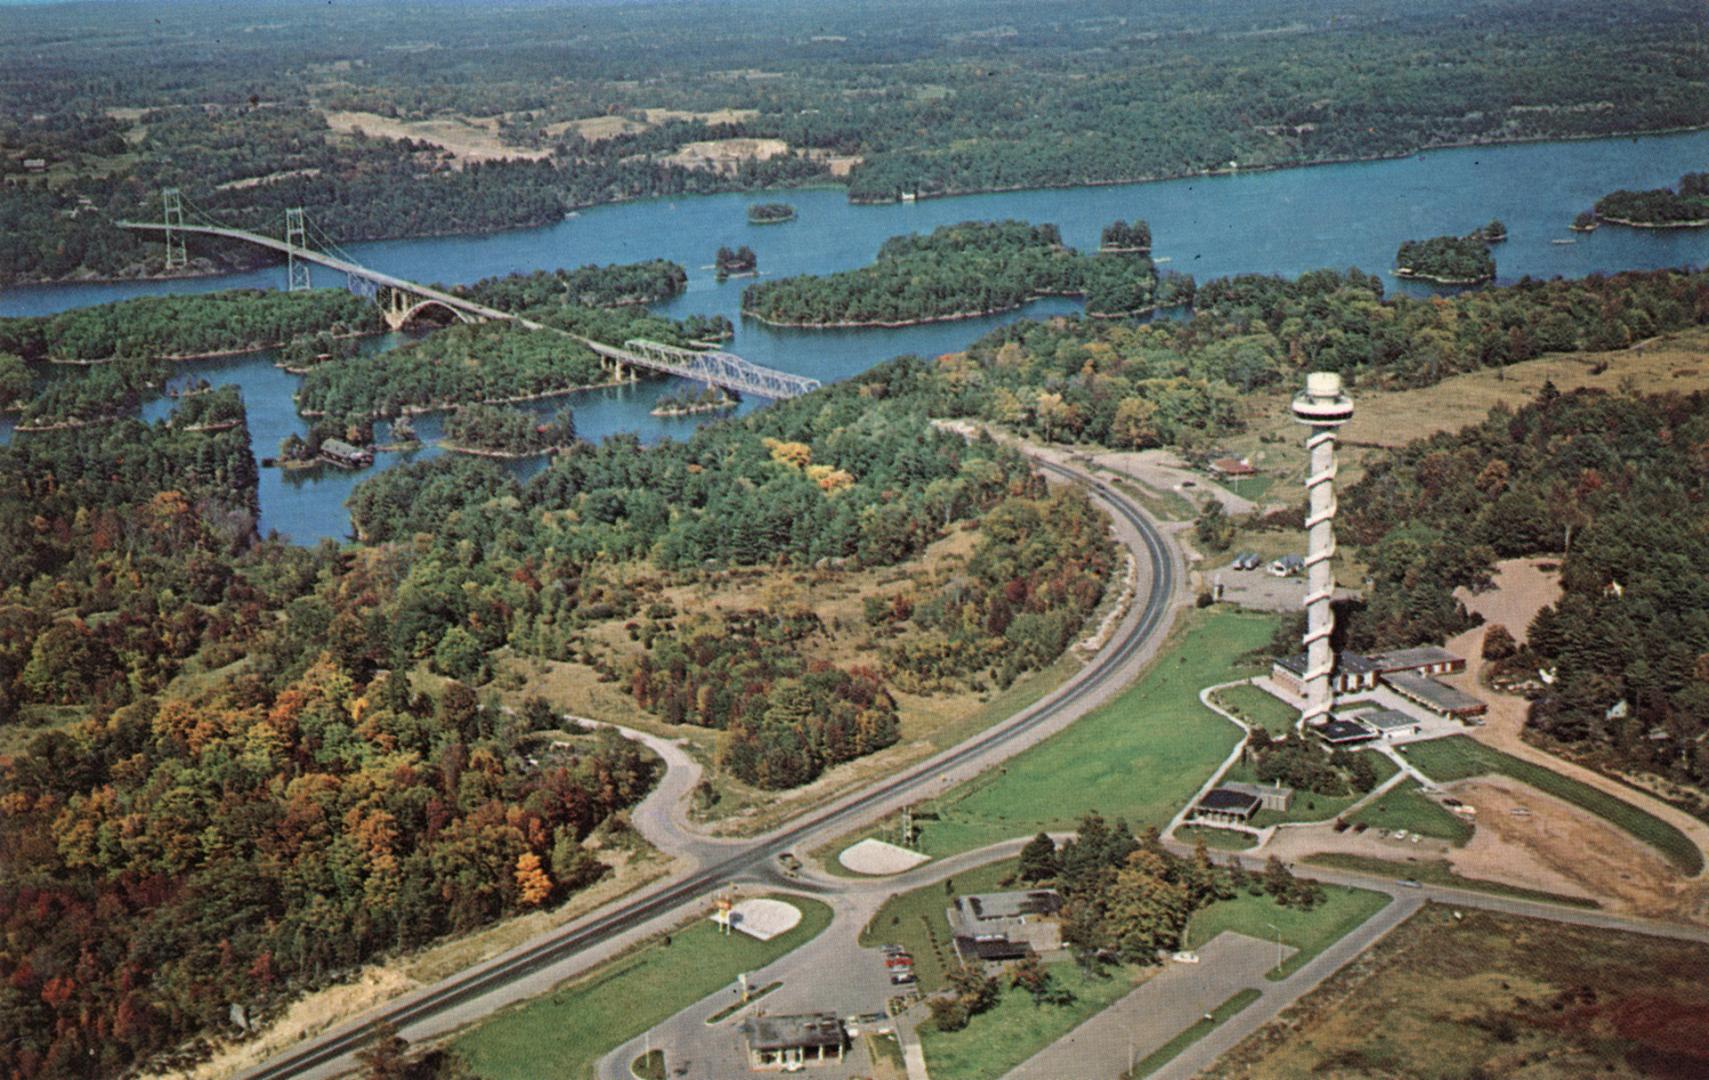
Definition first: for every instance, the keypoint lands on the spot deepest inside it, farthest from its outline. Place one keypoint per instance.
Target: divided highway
(1136, 636)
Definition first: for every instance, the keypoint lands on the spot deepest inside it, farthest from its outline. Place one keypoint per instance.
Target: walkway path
(1155, 1012)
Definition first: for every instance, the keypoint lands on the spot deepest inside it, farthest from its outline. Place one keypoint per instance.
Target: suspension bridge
(402, 300)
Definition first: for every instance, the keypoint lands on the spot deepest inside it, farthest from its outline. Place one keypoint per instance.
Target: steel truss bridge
(402, 300)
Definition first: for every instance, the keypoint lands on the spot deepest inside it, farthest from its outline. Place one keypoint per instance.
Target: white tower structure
(1322, 407)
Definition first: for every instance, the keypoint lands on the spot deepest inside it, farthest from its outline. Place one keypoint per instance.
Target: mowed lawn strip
(1459, 757)
(1138, 757)
(1405, 807)
(1259, 708)
(1438, 872)
(1170, 1050)
(1310, 932)
(576, 1024)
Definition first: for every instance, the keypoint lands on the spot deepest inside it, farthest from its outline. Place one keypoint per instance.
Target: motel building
(788, 1043)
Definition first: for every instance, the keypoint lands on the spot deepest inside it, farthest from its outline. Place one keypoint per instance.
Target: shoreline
(1409, 274)
(1630, 224)
(214, 354)
(504, 455)
(693, 410)
(423, 410)
(820, 183)
(879, 324)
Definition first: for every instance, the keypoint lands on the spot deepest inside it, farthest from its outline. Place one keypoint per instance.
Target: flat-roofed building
(1225, 806)
(1354, 673)
(1270, 796)
(791, 1042)
(1424, 660)
(1439, 698)
(1340, 732)
(1389, 722)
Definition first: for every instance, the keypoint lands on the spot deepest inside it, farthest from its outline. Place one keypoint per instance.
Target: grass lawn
(1215, 839)
(1405, 808)
(1438, 872)
(1015, 1029)
(1259, 709)
(1247, 487)
(1170, 1050)
(1458, 757)
(916, 921)
(1308, 805)
(1342, 910)
(576, 1024)
(1139, 757)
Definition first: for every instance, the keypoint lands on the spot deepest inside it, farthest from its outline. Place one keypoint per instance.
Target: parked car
(1247, 560)
(902, 978)
(903, 961)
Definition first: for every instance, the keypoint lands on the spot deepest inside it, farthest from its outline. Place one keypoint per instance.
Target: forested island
(957, 272)
(616, 285)
(1683, 207)
(466, 364)
(514, 125)
(1126, 236)
(108, 392)
(487, 431)
(185, 326)
(1446, 260)
(770, 213)
(741, 262)
(684, 403)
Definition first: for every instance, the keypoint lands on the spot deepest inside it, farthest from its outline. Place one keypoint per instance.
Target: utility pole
(296, 238)
(908, 825)
(177, 258)
(1278, 930)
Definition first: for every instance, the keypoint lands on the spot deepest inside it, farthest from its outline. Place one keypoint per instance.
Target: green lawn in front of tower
(1140, 756)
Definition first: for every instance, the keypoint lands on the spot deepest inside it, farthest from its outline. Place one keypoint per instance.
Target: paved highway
(535, 966)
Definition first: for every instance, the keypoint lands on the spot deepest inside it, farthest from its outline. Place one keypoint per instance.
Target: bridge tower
(296, 238)
(172, 205)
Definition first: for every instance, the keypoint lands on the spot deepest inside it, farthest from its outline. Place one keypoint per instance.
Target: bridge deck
(720, 368)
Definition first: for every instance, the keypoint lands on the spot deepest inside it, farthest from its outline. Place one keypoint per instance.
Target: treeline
(192, 324)
(1177, 382)
(615, 285)
(1688, 205)
(1126, 236)
(747, 673)
(1451, 260)
(957, 270)
(511, 432)
(466, 364)
(1614, 481)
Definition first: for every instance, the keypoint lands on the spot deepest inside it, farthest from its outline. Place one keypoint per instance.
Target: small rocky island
(683, 403)
(742, 262)
(1446, 260)
(771, 213)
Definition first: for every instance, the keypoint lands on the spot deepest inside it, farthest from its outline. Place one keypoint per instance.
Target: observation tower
(1322, 407)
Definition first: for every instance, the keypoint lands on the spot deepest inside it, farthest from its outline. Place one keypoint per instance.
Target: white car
(1185, 957)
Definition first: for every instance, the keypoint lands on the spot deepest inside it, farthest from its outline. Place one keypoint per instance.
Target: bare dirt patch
(717, 116)
(1522, 588)
(467, 139)
(1527, 838)
(597, 128)
(725, 155)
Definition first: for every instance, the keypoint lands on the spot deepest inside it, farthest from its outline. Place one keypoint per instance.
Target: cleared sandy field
(468, 139)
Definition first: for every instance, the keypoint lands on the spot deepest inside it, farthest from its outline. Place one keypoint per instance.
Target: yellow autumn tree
(533, 884)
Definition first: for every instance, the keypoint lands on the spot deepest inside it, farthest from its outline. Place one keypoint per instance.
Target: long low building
(791, 1042)
(1226, 806)
(1438, 697)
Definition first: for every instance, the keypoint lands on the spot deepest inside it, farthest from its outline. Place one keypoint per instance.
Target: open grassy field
(1437, 872)
(1139, 757)
(1215, 839)
(1015, 1029)
(1459, 757)
(578, 1023)
(1492, 995)
(1170, 1050)
(1259, 708)
(1404, 807)
(1310, 932)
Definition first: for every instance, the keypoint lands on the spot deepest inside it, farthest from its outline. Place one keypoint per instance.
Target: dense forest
(108, 392)
(1448, 260)
(1687, 205)
(461, 365)
(507, 432)
(589, 286)
(973, 268)
(195, 324)
(900, 98)
(1617, 482)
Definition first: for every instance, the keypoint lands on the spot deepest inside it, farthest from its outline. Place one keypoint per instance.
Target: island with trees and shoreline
(1446, 260)
(770, 213)
(1685, 206)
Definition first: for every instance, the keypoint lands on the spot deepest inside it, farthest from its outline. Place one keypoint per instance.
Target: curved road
(537, 965)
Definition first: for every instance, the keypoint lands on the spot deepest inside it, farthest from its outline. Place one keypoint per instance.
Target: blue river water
(1280, 222)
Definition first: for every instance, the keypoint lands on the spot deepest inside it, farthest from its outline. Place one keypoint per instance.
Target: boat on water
(1564, 240)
